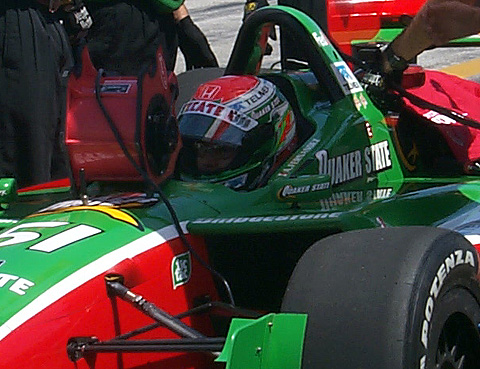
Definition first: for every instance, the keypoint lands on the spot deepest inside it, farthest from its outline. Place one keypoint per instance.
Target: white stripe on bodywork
(87, 273)
(473, 238)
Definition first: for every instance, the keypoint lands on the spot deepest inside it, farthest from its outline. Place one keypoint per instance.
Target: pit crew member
(126, 35)
(436, 23)
(34, 63)
(192, 41)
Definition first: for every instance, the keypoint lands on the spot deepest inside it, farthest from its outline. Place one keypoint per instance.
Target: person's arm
(180, 13)
(192, 42)
(436, 23)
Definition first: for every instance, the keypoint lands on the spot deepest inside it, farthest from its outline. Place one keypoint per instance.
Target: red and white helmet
(234, 129)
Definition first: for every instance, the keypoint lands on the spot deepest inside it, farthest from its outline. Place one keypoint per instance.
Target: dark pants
(126, 35)
(35, 55)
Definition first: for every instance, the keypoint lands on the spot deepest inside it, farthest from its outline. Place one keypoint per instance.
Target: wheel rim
(458, 344)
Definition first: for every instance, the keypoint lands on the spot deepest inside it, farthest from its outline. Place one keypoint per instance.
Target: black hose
(156, 188)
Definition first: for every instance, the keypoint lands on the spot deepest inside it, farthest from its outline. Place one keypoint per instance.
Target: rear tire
(397, 298)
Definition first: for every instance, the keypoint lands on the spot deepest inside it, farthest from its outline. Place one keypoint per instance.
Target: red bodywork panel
(90, 141)
(456, 95)
(350, 20)
(60, 183)
(87, 311)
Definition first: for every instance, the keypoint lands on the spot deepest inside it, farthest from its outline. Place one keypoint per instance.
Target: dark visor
(201, 127)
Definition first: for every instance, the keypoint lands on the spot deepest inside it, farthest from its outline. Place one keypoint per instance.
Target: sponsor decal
(88, 272)
(264, 110)
(265, 219)
(2, 262)
(292, 164)
(360, 101)
(349, 166)
(208, 92)
(438, 118)
(320, 39)
(377, 157)
(352, 197)
(356, 101)
(455, 259)
(221, 112)
(259, 95)
(290, 191)
(348, 82)
(369, 130)
(363, 100)
(15, 283)
(116, 88)
(181, 269)
(28, 232)
(341, 168)
(108, 205)
(255, 98)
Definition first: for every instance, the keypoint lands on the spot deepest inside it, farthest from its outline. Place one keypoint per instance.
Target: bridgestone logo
(267, 219)
(456, 258)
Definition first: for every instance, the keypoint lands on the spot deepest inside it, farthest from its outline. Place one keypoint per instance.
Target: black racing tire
(396, 298)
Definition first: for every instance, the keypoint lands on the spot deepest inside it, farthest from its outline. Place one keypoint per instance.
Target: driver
(436, 23)
(236, 130)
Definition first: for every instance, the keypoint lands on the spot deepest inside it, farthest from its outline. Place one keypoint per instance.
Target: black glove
(194, 45)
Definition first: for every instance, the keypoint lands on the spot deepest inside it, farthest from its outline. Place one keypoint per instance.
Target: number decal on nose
(19, 234)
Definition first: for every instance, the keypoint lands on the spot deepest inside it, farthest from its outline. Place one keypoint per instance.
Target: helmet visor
(211, 121)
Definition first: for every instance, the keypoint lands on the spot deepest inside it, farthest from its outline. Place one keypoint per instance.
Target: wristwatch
(396, 62)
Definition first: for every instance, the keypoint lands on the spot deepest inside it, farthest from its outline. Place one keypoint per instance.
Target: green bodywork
(273, 341)
(349, 172)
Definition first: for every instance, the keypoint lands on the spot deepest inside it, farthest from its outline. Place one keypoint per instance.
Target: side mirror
(302, 189)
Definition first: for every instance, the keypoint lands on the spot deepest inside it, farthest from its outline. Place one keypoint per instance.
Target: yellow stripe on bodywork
(114, 213)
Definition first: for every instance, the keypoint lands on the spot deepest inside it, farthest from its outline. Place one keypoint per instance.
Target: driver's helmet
(234, 130)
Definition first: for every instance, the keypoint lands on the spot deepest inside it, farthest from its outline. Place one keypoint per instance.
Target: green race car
(345, 240)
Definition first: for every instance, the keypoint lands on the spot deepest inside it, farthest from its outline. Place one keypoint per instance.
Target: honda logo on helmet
(209, 92)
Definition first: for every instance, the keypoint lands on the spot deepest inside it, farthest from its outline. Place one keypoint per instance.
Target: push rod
(115, 287)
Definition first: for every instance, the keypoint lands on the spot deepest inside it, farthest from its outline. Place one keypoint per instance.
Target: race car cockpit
(236, 130)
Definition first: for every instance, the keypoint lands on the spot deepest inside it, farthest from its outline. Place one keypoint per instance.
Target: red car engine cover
(114, 120)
